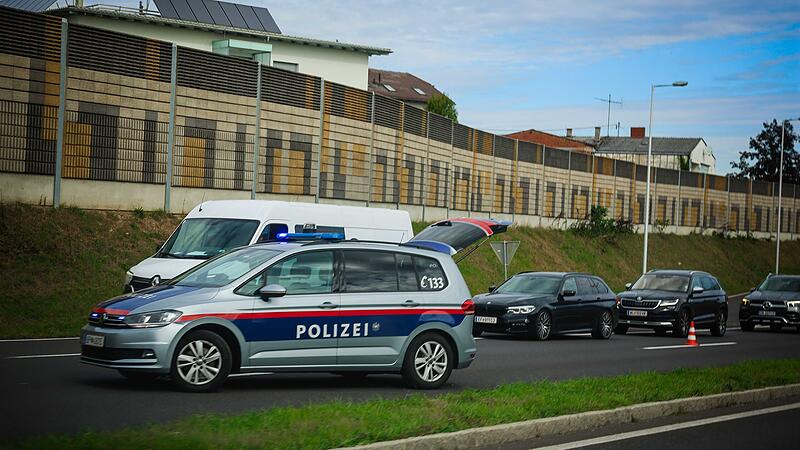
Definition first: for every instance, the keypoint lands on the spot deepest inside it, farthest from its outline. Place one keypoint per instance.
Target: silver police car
(350, 307)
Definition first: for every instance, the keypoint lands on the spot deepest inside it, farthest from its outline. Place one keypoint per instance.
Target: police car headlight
(521, 309)
(152, 319)
(128, 277)
(672, 302)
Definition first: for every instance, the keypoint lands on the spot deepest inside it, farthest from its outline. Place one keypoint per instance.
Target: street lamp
(649, 157)
(780, 196)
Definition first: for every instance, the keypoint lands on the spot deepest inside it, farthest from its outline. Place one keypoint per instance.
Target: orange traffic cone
(692, 339)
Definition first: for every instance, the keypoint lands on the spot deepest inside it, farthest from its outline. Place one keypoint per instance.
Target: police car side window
(430, 274)
(369, 271)
(406, 275)
(305, 273)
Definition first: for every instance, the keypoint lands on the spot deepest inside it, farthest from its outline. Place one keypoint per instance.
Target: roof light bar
(310, 236)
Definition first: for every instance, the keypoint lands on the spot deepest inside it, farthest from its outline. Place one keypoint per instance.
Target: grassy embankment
(339, 423)
(60, 262)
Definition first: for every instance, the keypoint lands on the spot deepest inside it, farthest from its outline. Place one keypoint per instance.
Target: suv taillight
(468, 307)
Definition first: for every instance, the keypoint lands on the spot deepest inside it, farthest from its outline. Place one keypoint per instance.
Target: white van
(214, 227)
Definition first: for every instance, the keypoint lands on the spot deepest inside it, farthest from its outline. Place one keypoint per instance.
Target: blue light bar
(310, 236)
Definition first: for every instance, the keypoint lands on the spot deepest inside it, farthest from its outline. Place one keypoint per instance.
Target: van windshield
(204, 238)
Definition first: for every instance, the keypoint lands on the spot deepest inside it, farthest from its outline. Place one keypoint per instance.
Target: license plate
(766, 313)
(484, 319)
(93, 340)
(637, 313)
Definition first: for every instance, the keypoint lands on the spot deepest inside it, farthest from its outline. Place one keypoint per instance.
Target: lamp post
(649, 157)
(780, 196)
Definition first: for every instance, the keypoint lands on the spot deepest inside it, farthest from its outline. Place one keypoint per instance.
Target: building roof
(127, 14)
(547, 139)
(661, 145)
(403, 86)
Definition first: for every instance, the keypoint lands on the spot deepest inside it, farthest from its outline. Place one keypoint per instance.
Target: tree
(762, 161)
(443, 105)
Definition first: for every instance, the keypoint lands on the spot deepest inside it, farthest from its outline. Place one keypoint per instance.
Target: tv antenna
(609, 101)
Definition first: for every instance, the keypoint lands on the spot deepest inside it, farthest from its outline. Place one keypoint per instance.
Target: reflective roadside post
(780, 196)
(649, 158)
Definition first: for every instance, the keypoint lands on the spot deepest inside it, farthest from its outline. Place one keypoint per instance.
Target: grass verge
(341, 423)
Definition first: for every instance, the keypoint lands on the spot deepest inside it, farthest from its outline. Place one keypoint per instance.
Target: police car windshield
(781, 284)
(530, 284)
(663, 282)
(226, 268)
(204, 238)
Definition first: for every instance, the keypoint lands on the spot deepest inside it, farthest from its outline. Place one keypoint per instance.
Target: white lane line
(668, 428)
(41, 339)
(59, 355)
(713, 344)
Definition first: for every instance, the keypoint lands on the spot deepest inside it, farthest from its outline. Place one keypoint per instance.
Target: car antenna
(202, 200)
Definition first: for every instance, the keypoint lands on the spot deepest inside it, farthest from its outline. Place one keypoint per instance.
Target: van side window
(369, 271)
(270, 232)
(406, 275)
(430, 274)
(320, 229)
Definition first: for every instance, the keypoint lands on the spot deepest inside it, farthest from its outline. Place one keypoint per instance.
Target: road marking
(40, 339)
(59, 355)
(713, 344)
(667, 428)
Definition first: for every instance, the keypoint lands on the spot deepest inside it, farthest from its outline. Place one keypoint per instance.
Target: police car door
(373, 324)
(300, 328)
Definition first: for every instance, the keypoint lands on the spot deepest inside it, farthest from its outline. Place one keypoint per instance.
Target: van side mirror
(628, 286)
(271, 291)
(697, 290)
(492, 288)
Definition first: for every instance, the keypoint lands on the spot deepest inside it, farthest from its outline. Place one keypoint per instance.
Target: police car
(319, 305)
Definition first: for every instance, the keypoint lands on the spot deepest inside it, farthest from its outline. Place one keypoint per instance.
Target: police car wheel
(428, 362)
(201, 363)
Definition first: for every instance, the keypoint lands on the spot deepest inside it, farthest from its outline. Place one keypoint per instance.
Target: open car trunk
(454, 236)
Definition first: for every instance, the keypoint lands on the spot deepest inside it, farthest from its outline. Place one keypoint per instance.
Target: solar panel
(217, 15)
(28, 5)
(213, 12)
(233, 15)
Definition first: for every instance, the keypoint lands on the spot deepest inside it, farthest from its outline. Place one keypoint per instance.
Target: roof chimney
(569, 132)
(637, 132)
(596, 133)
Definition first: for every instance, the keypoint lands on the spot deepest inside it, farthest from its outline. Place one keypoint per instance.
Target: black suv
(666, 300)
(775, 303)
(539, 304)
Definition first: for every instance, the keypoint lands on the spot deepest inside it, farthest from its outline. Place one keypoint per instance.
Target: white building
(335, 61)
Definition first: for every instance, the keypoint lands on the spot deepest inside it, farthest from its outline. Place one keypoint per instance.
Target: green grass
(342, 423)
(58, 263)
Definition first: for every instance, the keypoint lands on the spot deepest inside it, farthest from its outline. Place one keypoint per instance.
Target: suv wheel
(542, 326)
(720, 324)
(747, 326)
(621, 329)
(681, 327)
(428, 362)
(201, 363)
(604, 326)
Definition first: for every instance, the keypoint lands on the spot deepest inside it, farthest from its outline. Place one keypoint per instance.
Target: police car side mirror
(271, 291)
(628, 286)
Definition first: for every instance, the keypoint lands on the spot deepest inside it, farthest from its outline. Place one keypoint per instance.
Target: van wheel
(604, 326)
(428, 362)
(201, 362)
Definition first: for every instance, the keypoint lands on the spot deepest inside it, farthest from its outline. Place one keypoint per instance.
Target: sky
(517, 65)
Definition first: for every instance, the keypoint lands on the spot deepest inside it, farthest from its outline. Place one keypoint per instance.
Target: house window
(291, 67)
(419, 91)
(389, 88)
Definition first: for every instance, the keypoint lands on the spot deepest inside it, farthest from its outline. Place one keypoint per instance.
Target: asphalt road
(53, 392)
